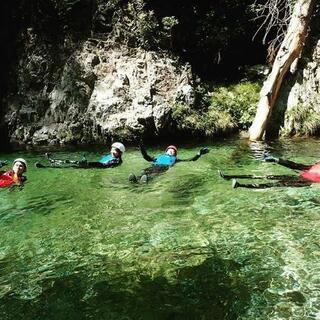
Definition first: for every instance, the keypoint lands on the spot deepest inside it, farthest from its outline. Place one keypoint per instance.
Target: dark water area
(87, 244)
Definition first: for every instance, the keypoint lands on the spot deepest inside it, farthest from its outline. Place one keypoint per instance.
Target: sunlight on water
(87, 244)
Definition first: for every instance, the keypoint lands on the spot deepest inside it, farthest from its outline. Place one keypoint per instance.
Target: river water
(87, 244)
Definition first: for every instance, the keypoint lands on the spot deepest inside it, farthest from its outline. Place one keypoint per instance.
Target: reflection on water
(87, 244)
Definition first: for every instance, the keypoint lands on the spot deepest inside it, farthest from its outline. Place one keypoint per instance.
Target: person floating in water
(309, 174)
(161, 163)
(113, 159)
(15, 175)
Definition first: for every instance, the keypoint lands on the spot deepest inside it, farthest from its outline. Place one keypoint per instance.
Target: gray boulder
(101, 92)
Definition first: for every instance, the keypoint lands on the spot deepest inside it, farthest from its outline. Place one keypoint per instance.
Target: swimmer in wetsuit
(111, 160)
(13, 177)
(309, 174)
(162, 162)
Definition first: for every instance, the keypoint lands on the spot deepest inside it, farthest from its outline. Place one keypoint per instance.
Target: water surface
(87, 244)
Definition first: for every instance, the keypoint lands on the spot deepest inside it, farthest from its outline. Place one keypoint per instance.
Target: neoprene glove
(270, 159)
(204, 150)
(3, 163)
(83, 160)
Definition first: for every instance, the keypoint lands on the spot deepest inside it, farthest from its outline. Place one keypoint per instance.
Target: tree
(286, 58)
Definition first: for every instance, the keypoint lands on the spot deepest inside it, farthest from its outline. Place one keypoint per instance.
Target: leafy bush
(302, 120)
(224, 110)
(207, 123)
(239, 101)
(136, 25)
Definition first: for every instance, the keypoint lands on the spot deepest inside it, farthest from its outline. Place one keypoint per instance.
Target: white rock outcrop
(101, 92)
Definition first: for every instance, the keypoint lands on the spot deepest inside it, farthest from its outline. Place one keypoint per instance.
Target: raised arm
(288, 163)
(145, 154)
(201, 152)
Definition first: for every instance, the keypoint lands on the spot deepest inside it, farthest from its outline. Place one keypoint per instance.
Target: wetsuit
(7, 179)
(161, 163)
(107, 161)
(309, 174)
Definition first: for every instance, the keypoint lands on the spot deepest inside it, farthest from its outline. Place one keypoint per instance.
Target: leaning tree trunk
(288, 55)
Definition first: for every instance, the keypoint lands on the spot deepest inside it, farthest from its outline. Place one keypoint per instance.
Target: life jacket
(108, 158)
(6, 179)
(312, 174)
(165, 160)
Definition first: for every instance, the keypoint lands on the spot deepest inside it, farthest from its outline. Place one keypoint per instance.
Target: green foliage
(225, 110)
(303, 121)
(240, 101)
(138, 26)
(169, 22)
(207, 123)
(141, 23)
(166, 33)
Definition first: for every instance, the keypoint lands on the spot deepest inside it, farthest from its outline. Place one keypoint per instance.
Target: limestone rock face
(98, 93)
(308, 89)
(303, 97)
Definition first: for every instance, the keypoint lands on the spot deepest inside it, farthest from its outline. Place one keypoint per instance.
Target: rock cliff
(93, 93)
(298, 108)
(303, 97)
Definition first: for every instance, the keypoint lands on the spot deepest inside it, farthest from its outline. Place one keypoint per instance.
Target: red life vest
(312, 174)
(6, 179)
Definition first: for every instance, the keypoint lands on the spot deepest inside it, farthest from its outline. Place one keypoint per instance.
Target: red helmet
(172, 147)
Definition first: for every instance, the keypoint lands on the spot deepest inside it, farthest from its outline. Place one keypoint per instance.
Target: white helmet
(24, 162)
(119, 146)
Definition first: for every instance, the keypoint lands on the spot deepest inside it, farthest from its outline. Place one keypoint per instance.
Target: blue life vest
(107, 158)
(165, 160)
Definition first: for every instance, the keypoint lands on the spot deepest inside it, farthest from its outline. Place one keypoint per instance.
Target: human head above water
(117, 149)
(172, 150)
(19, 166)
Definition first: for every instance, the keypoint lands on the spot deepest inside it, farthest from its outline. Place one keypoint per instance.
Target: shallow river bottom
(87, 244)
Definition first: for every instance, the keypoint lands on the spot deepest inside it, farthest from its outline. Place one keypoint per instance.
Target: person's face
(171, 152)
(18, 168)
(115, 152)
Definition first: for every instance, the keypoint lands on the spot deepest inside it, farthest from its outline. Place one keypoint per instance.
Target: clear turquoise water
(87, 244)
